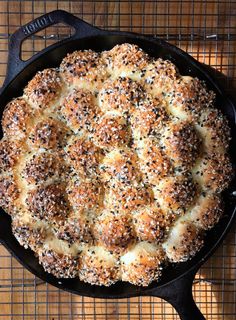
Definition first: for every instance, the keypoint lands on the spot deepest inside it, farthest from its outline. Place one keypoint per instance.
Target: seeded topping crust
(49, 134)
(77, 227)
(44, 88)
(84, 157)
(148, 118)
(16, 118)
(43, 166)
(121, 95)
(126, 60)
(31, 233)
(8, 194)
(181, 144)
(78, 110)
(85, 194)
(48, 202)
(84, 69)
(9, 154)
(114, 230)
(111, 132)
(112, 165)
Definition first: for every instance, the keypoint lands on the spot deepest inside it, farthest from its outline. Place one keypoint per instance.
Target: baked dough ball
(9, 154)
(175, 193)
(78, 110)
(151, 223)
(57, 259)
(84, 156)
(16, 118)
(213, 172)
(214, 129)
(47, 202)
(77, 227)
(188, 97)
(153, 162)
(9, 192)
(142, 264)
(184, 241)
(126, 60)
(48, 134)
(181, 143)
(43, 89)
(99, 266)
(114, 230)
(127, 197)
(121, 95)
(85, 194)
(83, 69)
(207, 211)
(110, 132)
(112, 165)
(120, 165)
(28, 234)
(159, 77)
(43, 166)
(148, 118)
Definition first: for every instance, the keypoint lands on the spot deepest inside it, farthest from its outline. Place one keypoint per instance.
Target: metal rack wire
(207, 30)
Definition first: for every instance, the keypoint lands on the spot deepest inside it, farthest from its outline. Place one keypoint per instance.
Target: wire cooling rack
(206, 30)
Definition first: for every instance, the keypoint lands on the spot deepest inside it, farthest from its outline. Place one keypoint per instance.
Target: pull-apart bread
(112, 166)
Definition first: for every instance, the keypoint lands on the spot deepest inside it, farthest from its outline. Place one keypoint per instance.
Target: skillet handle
(16, 64)
(179, 294)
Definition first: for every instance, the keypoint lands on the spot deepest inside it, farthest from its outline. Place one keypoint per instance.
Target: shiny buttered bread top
(112, 166)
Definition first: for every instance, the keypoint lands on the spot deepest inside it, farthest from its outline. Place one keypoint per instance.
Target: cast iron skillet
(176, 283)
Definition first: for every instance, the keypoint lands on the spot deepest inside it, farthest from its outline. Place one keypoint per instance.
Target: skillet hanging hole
(45, 38)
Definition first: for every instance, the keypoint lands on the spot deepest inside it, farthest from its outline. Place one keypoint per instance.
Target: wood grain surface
(206, 29)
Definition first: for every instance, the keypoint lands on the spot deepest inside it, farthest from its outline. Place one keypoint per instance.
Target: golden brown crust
(127, 197)
(208, 210)
(44, 88)
(184, 241)
(148, 118)
(48, 134)
(127, 58)
(85, 194)
(16, 117)
(120, 165)
(9, 154)
(113, 165)
(176, 193)
(111, 132)
(42, 167)
(114, 230)
(188, 97)
(181, 144)
(151, 224)
(98, 266)
(120, 95)
(159, 77)
(214, 128)
(29, 234)
(78, 110)
(8, 193)
(77, 227)
(84, 157)
(153, 162)
(214, 172)
(81, 67)
(142, 264)
(48, 202)
(59, 264)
